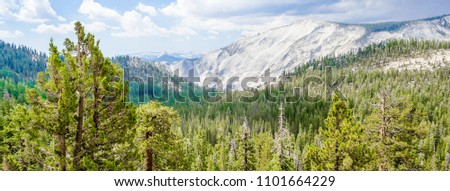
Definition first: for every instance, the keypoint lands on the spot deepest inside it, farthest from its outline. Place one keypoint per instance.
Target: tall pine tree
(342, 143)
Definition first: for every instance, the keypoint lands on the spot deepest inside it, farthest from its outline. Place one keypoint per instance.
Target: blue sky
(135, 26)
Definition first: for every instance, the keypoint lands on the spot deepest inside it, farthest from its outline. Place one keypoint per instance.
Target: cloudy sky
(135, 26)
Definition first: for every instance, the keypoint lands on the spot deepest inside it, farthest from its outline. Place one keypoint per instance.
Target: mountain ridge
(286, 47)
(168, 57)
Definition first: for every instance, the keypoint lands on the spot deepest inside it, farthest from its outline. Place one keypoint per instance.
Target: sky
(201, 26)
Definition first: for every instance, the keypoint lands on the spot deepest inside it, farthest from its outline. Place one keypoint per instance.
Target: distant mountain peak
(168, 57)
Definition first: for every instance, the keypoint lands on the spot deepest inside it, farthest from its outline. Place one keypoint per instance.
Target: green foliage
(83, 110)
(342, 145)
(20, 63)
(397, 134)
(162, 147)
(264, 144)
(10, 89)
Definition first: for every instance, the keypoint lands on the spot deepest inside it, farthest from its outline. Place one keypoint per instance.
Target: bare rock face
(285, 48)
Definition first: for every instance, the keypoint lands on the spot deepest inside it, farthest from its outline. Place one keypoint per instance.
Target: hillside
(284, 48)
(418, 102)
(20, 62)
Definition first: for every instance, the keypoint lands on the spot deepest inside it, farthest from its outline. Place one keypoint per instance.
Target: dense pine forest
(19, 66)
(70, 111)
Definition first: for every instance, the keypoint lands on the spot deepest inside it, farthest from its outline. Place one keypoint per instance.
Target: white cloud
(135, 25)
(146, 9)
(7, 34)
(355, 10)
(248, 17)
(219, 8)
(6, 6)
(233, 15)
(96, 27)
(196, 15)
(252, 16)
(36, 11)
(54, 29)
(96, 11)
(69, 27)
(182, 31)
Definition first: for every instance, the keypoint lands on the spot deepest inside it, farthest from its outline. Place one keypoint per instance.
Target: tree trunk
(5, 164)
(96, 110)
(337, 158)
(282, 155)
(96, 96)
(80, 120)
(63, 150)
(383, 127)
(246, 166)
(149, 153)
(79, 136)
